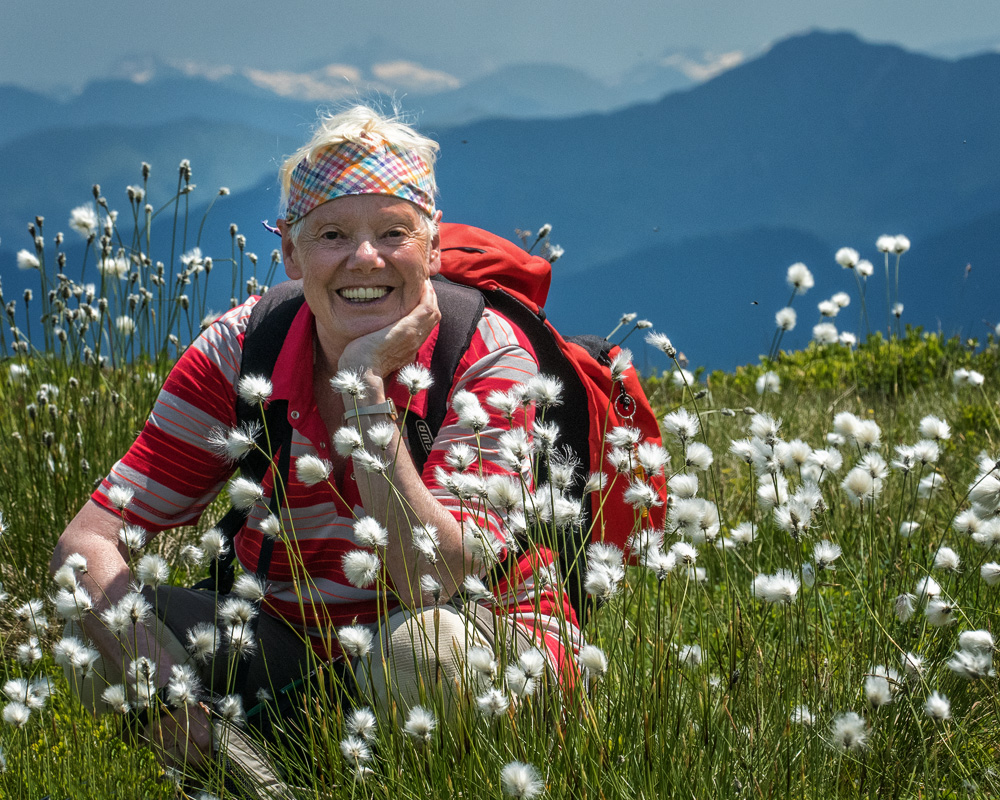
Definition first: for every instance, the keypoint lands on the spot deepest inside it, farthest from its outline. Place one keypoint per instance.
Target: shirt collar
(292, 378)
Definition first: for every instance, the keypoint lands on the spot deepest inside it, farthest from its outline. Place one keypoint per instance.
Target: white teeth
(364, 293)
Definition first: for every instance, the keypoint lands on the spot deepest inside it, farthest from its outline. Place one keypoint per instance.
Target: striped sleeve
(169, 467)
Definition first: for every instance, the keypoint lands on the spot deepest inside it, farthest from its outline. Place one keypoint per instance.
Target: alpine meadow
(813, 620)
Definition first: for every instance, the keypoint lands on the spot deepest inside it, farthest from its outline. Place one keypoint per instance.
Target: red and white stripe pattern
(175, 474)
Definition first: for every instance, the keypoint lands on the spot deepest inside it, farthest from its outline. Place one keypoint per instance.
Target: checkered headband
(368, 167)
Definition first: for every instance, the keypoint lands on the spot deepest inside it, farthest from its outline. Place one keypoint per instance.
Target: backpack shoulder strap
(461, 309)
(263, 338)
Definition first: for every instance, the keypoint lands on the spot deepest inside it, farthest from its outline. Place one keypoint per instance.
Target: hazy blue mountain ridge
(686, 210)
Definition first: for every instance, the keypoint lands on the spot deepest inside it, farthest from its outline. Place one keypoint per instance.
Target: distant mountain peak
(327, 83)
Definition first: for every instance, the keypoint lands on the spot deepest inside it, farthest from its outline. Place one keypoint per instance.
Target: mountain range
(686, 209)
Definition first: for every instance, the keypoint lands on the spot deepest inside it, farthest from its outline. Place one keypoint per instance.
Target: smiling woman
(359, 556)
(364, 261)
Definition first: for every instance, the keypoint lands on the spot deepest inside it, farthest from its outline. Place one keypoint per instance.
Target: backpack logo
(424, 434)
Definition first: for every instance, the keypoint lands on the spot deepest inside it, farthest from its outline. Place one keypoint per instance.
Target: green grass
(657, 724)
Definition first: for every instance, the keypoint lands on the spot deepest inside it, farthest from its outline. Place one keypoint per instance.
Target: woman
(360, 233)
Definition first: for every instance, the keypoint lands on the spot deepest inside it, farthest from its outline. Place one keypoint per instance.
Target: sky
(61, 44)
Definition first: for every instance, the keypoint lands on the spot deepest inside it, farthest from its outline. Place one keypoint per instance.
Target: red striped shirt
(175, 473)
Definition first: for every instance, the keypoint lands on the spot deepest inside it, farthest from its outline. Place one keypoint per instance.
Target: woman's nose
(366, 256)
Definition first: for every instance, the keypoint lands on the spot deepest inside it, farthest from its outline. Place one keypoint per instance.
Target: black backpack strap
(574, 429)
(263, 339)
(461, 309)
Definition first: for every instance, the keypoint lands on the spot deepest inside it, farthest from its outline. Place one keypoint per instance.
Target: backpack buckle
(625, 404)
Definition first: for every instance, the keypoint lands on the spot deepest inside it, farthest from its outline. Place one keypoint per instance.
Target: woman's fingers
(394, 346)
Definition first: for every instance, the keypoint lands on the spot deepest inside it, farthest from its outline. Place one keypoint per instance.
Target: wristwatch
(388, 407)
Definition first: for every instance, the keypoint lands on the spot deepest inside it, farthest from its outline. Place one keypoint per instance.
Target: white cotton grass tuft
(355, 640)
(602, 580)
(799, 278)
(860, 487)
(620, 364)
(431, 586)
(415, 378)
(661, 343)
(913, 665)
(425, 541)
(786, 318)
(990, 573)
(927, 587)
(133, 537)
(355, 751)
(768, 382)
(116, 697)
(880, 685)
(937, 707)
(368, 532)
(361, 723)
(545, 390)
(847, 257)
(652, 458)
(492, 703)
(689, 655)
(475, 589)
(825, 553)
(203, 641)
(250, 588)
(254, 389)
(312, 470)
(904, 606)
(698, 456)
(120, 497)
(682, 425)
(232, 444)
(213, 544)
(947, 560)
(519, 682)
(940, 613)
(420, 725)
(801, 715)
(779, 588)
(469, 411)
(521, 781)
(683, 486)
(592, 661)
(244, 493)
(481, 663)
(361, 568)
(532, 663)
(825, 333)
(350, 382)
(152, 570)
(347, 441)
(16, 714)
(382, 434)
(848, 732)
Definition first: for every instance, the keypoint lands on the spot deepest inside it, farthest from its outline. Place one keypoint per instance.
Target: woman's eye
(331, 235)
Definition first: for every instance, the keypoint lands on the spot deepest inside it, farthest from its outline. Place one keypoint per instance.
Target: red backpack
(516, 284)
(483, 270)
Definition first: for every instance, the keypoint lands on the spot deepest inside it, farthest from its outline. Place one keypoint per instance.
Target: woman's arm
(93, 533)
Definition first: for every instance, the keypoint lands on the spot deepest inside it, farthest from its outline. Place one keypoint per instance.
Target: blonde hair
(354, 126)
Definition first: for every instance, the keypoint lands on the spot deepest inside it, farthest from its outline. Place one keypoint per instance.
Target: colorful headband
(368, 167)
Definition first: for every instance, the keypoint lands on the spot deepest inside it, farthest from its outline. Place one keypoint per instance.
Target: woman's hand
(394, 346)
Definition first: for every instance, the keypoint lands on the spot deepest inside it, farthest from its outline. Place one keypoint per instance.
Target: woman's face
(363, 260)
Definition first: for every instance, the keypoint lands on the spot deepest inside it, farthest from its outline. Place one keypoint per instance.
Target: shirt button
(322, 445)
(294, 415)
